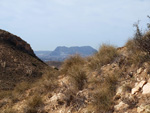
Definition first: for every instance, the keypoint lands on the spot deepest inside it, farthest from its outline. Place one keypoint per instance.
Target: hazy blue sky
(46, 24)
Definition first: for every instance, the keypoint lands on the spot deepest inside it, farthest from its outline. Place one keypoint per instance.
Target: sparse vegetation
(103, 96)
(71, 61)
(5, 94)
(78, 76)
(127, 88)
(138, 47)
(21, 87)
(83, 82)
(106, 54)
(33, 103)
(9, 110)
(48, 82)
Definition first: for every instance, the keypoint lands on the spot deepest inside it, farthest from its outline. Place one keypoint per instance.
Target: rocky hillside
(17, 61)
(113, 80)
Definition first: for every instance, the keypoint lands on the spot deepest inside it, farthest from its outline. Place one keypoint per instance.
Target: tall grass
(105, 55)
(71, 61)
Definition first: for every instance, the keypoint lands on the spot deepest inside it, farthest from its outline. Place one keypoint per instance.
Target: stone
(119, 90)
(146, 89)
(3, 64)
(140, 110)
(139, 71)
(143, 108)
(138, 87)
(121, 106)
(56, 97)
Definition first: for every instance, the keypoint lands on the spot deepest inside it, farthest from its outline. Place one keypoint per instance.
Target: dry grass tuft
(78, 76)
(103, 96)
(71, 61)
(21, 87)
(34, 103)
(106, 54)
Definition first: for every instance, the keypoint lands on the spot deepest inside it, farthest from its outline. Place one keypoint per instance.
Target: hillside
(17, 61)
(62, 52)
(113, 80)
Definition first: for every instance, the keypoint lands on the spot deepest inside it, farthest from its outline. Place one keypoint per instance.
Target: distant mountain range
(62, 52)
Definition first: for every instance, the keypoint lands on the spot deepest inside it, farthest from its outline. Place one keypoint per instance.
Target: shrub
(127, 88)
(71, 61)
(103, 100)
(34, 103)
(138, 47)
(142, 42)
(103, 96)
(131, 46)
(9, 110)
(21, 87)
(78, 76)
(5, 94)
(48, 82)
(105, 55)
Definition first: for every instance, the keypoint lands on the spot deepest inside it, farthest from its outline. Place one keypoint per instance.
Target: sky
(46, 24)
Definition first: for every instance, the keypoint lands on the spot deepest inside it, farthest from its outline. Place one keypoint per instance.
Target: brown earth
(17, 61)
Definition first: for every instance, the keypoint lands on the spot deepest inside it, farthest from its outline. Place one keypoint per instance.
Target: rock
(3, 64)
(16, 41)
(121, 106)
(119, 90)
(58, 97)
(143, 108)
(139, 71)
(140, 110)
(138, 87)
(146, 89)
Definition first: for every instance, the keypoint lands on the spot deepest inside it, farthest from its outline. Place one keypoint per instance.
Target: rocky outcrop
(16, 41)
(17, 61)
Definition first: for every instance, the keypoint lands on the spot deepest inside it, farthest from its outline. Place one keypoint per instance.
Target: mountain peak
(15, 41)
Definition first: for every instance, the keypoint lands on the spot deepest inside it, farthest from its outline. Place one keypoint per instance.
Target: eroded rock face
(16, 41)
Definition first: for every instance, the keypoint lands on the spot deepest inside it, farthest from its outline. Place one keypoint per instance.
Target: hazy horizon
(47, 24)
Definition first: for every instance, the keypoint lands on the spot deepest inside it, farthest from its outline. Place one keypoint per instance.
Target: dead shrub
(49, 80)
(71, 61)
(105, 55)
(78, 76)
(103, 96)
(5, 94)
(103, 100)
(127, 88)
(21, 87)
(9, 110)
(34, 103)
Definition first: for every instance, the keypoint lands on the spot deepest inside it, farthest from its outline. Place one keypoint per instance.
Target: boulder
(146, 89)
(121, 106)
(143, 108)
(138, 87)
(139, 71)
